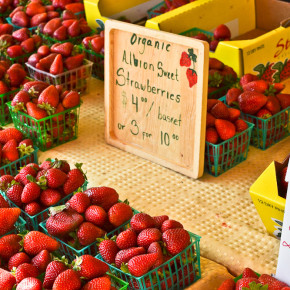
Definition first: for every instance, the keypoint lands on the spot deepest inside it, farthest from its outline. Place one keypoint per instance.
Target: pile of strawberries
(250, 280)
(87, 216)
(58, 58)
(18, 43)
(220, 76)
(13, 146)
(95, 42)
(73, 5)
(37, 187)
(67, 29)
(146, 245)
(7, 6)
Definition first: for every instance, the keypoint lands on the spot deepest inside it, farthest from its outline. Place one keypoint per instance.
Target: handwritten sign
(155, 95)
(283, 266)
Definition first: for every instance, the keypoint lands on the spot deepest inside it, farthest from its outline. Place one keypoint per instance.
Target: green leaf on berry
(255, 286)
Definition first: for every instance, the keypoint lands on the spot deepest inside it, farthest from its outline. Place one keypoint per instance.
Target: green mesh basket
(5, 117)
(69, 251)
(22, 59)
(97, 60)
(13, 167)
(268, 132)
(221, 157)
(194, 31)
(74, 40)
(48, 132)
(220, 92)
(33, 222)
(15, 27)
(118, 283)
(177, 273)
(157, 10)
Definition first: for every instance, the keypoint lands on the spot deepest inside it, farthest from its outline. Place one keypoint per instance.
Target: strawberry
(67, 14)
(259, 86)
(213, 44)
(241, 125)
(234, 114)
(119, 213)
(284, 100)
(20, 19)
(28, 45)
(101, 283)
(9, 246)
(228, 284)
(156, 248)
(20, 100)
(49, 96)
(51, 26)
(225, 129)
(176, 240)
(6, 28)
(57, 65)
(88, 233)
(69, 280)
(171, 224)
(105, 197)
(46, 164)
(232, 96)
(159, 220)
(18, 259)
(53, 269)
(140, 265)
(273, 105)
(124, 256)
(55, 177)
(3, 202)
(32, 208)
(9, 151)
(74, 62)
(147, 237)
(7, 280)
(244, 283)
(5, 180)
(211, 103)
(8, 217)
(14, 193)
(34, 111)
(47, 61)
(215, 64)
(192, 77)
(3, 88)
(9, 134)
(67, 23)
(272, 282)
(79, 202)
(211, 135)
(76, 179)
(71, 100)
(96, 215)
(222, 32)
(75, 7)
(127, 239)
(141, 221)
(41, 261)
(14, 51)
(74, 30)
(30, 283)
(185, 60)
(220, 111)
(201, 36)
(34, 242)
(249, 273)
(43, 51)
(108, 250)
(31, 192)
(65, 49)
(52, 14)
(34, 8)
(25, 270)
(90, 267)
(251, 102)
(61, 33)
(247, 78)
(38, 19)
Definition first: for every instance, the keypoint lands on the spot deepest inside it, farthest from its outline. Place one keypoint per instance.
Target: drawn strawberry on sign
(265, 72)
(191, 76)
(185, 60)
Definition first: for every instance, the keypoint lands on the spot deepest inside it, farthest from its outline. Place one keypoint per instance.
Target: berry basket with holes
(33, 190)
(16, 27)
(93, 220)
(118, 283)
(152, 253)
(157, 10)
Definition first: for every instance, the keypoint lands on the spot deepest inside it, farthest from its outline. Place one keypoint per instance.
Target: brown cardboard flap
(251, 34)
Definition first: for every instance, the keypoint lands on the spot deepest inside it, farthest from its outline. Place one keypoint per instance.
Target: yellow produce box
(265, 196)
(260, 36)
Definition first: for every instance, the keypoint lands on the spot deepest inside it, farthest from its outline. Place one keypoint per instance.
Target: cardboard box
(265, 196)
(259, 31)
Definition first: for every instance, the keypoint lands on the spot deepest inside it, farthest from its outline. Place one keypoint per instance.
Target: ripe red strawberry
(34, 8)
(192, 77)
(101, 283)
(176, 240)
(7, 280)
(228, 284)
(38, 19)
(201, 36)
(20, 19)
(273, 105)
(124, 256)
(90, 267)
(234, 114)
(96, 215)
(9, 246)
(30, 192)
(9, 134)
(73, 62)
(5, 180)
(30, 283)
(140, 265)
(3, 202)
(18, 259)
(251, 102)
(185, 60)
(210, 120)
(220, 111)
(9, 151)
(67, 23)
(119, 213)
(34, 242)
(74, 30)
(225, 129)
(272, 282)
(71, 100)
(284, 100)
(249, 273)
(14, 51)
(147, 237)
(65, 49)
(24, 172)
(15, 75)
(232, 96)
(211, 135)
(215, 64)
(28, 45)
(69, 280)
(247, 78)
(47, 61)
(67, 14)
(244, 283)
(171, 224)
(108, 250)
(127, 239)
(57, 65)
(20, 100)
(156, 248)
(34, 111)
(14, 193)
(259, 86)
(52, 14)
(25, 270)
(51, 26)
(79, 202)
(41, 261)
(49, 96)
(88, 233)
(141, 221)
(76, 179)
(46, 164)
(64, 222)
(55, 177)
(53, 269)
(3, 88)
(43, 50)
(159, 220)
(241, 125)
(105, 197)
(222, 32)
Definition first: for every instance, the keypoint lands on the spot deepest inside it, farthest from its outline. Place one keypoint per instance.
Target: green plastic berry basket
(22, 59)
(5, 117)
(268, 132)
(221, 157)
(153, 12)
(15, 27)
(75, 79)
(48, 40)
(19, 226)
(118, 283)
(33, 222)
(48, 132)
(220, 92)
(71, 252)
(13, 167)
(194, 31)
(97, 60)
(177, 273)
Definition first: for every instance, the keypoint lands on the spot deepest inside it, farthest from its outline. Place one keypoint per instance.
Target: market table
(220, 210)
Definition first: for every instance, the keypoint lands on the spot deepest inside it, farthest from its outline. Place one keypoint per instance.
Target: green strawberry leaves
(255, 286)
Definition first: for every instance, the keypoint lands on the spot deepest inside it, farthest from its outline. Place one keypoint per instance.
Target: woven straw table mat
(219, 209)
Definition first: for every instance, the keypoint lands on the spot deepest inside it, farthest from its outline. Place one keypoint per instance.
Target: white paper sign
(283, 266)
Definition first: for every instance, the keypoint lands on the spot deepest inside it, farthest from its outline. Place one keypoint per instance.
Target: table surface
(219, 209)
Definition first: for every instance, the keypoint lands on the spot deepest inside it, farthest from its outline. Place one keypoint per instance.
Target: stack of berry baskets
(157, 10)
(177, 273)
